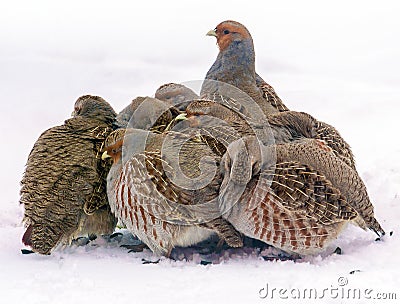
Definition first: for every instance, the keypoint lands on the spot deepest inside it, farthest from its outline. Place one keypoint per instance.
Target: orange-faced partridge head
(235, 65)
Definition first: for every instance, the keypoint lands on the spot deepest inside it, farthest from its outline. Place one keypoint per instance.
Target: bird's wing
(302, 125)
(292, 180)
(318, 155)
(58, 180)
(261, 215)
(334, 140)
(56, 214)
(304, 190)
(155, 195)
(270, 95)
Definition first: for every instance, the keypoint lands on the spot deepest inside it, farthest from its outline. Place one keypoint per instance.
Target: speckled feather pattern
(309, 179)
(176, 95)
(64, 185)
(235, 65)
(152, 206)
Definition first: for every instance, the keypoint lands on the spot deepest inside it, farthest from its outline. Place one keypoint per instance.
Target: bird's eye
(226, 32)
(114, 151)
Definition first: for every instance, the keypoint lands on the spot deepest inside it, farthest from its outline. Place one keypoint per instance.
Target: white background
(337, 60)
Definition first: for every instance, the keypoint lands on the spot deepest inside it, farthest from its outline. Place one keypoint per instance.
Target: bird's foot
(115, 237)
(135, 247)
(338, 250)
(145, 261)
(281, 257)
(26, 251)
(81, 241)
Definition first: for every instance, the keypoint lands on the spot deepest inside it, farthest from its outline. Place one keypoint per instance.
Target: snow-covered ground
(337, 61)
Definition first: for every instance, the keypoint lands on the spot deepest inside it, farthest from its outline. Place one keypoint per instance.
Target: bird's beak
(181, 116)
(105, 155)
(211, 33)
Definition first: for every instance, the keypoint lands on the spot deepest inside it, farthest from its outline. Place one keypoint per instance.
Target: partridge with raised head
(235, 66)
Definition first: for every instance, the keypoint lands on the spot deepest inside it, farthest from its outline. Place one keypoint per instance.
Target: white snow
(337, 61)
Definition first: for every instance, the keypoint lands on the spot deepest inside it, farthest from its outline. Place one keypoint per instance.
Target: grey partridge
(292, 131)
(288, 204)
(164, 188)
(177, 95)
(170, 98)
(148, 114)
(235, 66)
(64, 185)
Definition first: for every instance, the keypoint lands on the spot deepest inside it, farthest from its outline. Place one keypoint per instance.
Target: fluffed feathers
(64, 185)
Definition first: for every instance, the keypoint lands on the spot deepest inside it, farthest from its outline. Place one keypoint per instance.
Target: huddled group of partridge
(178, 168)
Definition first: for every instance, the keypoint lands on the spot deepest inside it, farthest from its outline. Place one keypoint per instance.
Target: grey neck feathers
(238, 60)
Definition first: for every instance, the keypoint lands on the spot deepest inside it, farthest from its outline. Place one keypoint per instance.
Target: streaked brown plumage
(301, 203)
(298, 141)
(156, 113)
(270, 95)
(148, 194)
(290, 206)
(299, 124)
(176, 95)
(149, 114)
(285, 126)
(64, 185)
